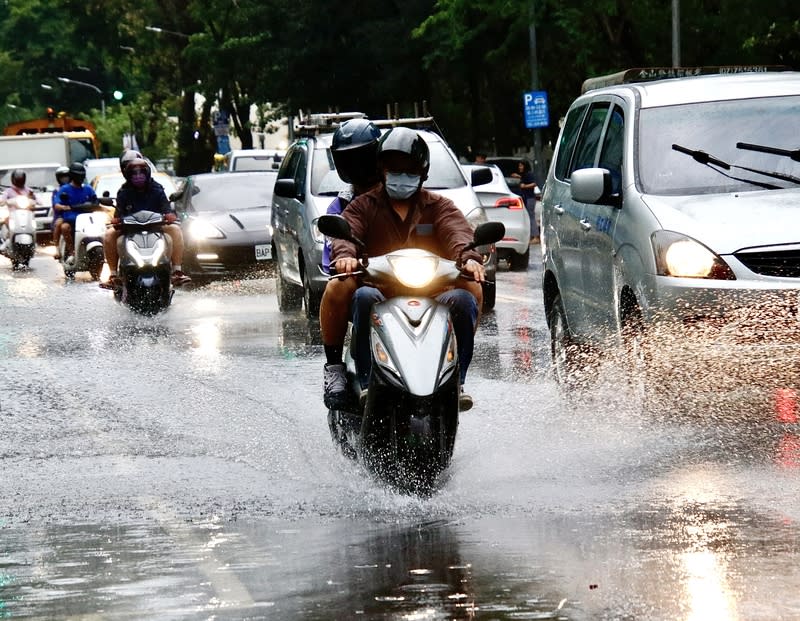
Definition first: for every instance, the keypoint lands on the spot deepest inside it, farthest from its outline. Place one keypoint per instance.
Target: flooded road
(180, 467)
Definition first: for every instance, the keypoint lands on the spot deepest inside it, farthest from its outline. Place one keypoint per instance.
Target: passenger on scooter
(141, 192)
(62, 177)
(75, 192)
(17, 188)
(398, 214)
(354, 149)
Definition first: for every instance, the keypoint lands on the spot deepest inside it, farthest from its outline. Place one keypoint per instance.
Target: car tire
(290, 296)
(570, 360)
(311, 300)
(519, 262)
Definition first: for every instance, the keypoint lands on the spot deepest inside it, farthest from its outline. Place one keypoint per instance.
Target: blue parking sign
(537, 113)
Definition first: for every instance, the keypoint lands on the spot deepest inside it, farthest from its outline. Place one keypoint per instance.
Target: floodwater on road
(180, 467)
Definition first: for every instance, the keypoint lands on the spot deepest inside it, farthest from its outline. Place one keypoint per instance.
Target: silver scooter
(404, 428)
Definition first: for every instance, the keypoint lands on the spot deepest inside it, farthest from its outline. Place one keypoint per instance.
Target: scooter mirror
(334, 226)
(489, 233)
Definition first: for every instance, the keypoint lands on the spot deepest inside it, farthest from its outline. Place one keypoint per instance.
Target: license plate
(263, 252)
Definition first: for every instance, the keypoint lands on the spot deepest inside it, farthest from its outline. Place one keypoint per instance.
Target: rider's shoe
(112, 283)
(179, 279)
(464, 401)
(335, 387)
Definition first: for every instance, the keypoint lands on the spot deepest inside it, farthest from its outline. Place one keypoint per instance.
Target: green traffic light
(118, 95)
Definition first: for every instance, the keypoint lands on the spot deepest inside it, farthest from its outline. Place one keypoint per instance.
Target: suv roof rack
(648, 74)
(327, 122)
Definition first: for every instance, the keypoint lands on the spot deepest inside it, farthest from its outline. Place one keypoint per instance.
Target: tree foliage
(469, 62)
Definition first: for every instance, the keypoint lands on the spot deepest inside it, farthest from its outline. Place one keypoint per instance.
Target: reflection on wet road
(180, 467)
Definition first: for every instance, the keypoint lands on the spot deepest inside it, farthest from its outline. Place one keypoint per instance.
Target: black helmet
(18, 178)
(136, 163)
(405, 140)
(62, 175)
(77, 172)
(355, 149)
(127, 156)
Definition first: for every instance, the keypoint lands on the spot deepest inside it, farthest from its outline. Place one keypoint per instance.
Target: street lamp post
(91, 86)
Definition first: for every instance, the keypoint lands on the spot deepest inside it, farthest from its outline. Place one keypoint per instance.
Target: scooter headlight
(23, 202)
(414, 268)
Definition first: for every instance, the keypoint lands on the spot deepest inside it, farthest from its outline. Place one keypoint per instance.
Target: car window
(589, 138)
(716, 128)
(568, 139)
(252, 162)
(611, 153)
(289, 167)
(325, 181)
(36, 178)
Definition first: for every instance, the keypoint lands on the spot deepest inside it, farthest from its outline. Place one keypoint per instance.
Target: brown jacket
(433, 223)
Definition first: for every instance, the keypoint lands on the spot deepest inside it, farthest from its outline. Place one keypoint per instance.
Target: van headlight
(681, 256)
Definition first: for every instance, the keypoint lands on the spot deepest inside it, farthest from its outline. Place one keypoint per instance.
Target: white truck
(61, 147)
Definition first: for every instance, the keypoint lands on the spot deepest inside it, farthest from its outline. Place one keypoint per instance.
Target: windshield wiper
(709, 160)
(794, 155)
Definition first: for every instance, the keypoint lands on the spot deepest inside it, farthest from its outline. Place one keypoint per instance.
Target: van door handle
(585, 224)
(558, 210)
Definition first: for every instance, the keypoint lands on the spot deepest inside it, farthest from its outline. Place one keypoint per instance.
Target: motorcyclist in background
(75, 192)
(398, 214)
(62, 177)
(17, 188)
(141, 192)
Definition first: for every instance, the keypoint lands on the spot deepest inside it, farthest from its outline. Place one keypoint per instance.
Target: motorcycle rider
(17, 188)
(62, 177)
(398, 214)
(74, 192)
(141, 192)
(354, 149)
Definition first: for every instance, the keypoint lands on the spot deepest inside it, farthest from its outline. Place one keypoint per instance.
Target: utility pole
(538, 164)
(676, 33)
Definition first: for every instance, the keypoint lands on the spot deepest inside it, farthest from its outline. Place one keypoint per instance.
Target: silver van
(672, 207)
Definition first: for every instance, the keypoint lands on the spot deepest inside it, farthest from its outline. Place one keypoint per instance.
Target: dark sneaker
(112, 283)
(335, 386)
(464, 401)
(179, 278)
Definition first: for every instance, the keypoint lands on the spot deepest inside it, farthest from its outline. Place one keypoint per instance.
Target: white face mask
(401, 185)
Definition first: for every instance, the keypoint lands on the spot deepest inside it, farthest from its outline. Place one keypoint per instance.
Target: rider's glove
(170, 218)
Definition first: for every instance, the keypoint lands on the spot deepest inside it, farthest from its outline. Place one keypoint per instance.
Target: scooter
(18, 231)
(144, 264)
(90, 227)
(404, 428)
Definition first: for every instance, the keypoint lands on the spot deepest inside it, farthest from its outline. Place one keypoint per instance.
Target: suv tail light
(509, 202)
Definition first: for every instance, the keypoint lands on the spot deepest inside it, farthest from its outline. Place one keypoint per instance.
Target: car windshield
(253, 162)
(36, 177)
(716, 128)
(229, 191)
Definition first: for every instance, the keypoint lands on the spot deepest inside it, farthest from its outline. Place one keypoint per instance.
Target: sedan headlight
(683, 257)
(414, 268)
(202, 229)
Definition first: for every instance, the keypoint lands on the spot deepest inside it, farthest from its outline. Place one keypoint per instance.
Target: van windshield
(716, 128)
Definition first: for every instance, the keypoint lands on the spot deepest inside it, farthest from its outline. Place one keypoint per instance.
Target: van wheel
(570, 360)
(290, 296)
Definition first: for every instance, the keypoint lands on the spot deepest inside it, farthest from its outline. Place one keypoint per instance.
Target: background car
(112, 182)
(253, 159)
(502, 205)
(672, 210)
(41, 178)
(226, 224)
(509, 164)
(307, 183)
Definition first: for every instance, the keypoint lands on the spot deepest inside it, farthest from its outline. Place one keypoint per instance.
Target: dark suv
(307, 183)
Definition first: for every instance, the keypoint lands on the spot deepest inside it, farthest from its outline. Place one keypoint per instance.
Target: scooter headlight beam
(413, 267)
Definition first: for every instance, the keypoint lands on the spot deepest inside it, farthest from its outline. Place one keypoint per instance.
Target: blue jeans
(463, 311)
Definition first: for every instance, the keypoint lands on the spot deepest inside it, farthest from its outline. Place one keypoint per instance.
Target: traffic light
(51, 114)
(118, 95)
